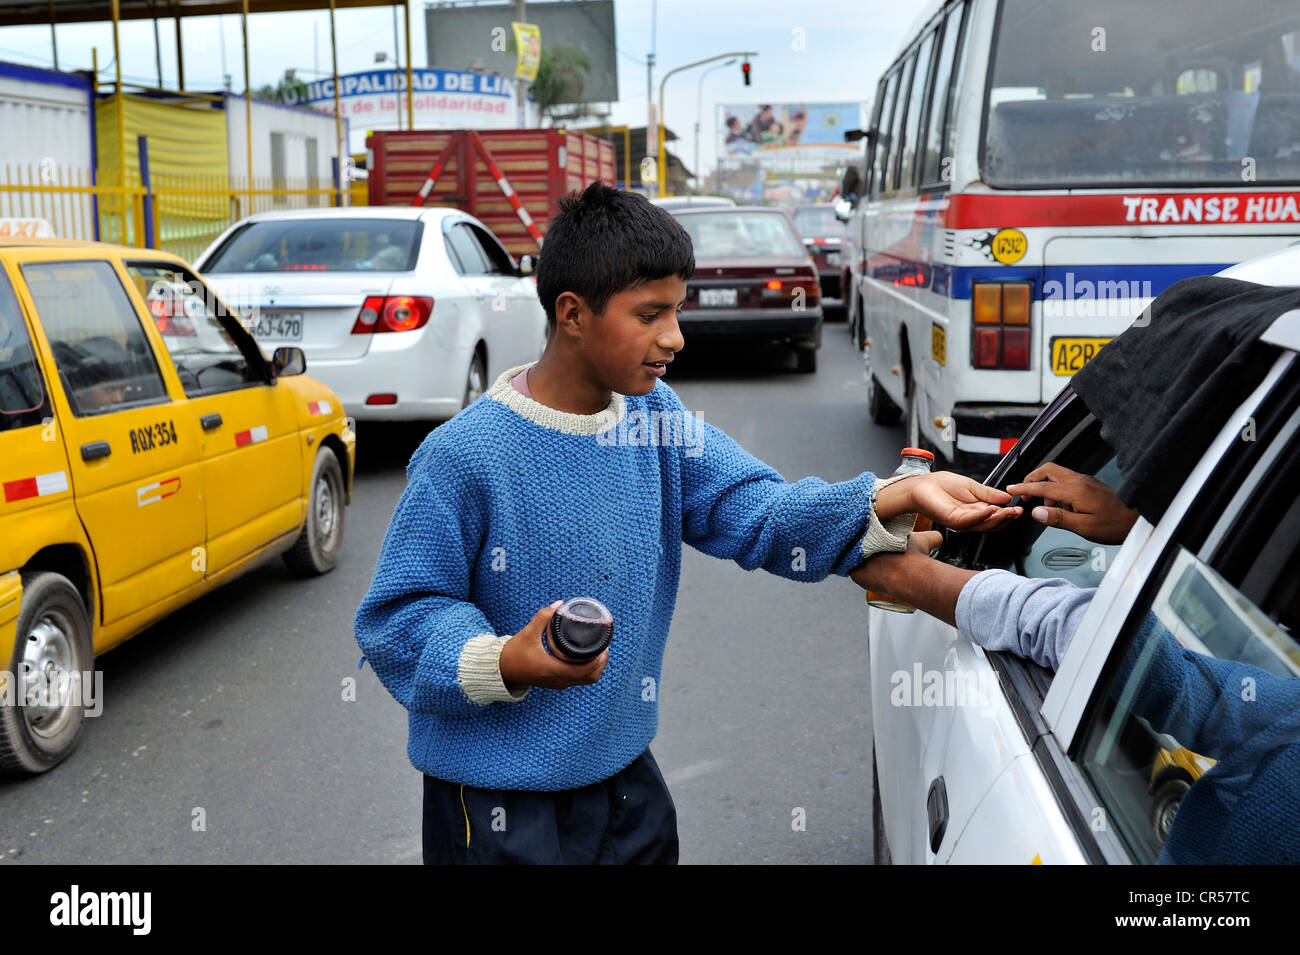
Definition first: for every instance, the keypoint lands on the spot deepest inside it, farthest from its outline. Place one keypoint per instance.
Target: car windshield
(814, 223)
(320, 245)
(740, 234)
(1155, 92)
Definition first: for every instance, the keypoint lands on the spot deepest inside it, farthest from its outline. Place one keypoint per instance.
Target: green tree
(561, 80)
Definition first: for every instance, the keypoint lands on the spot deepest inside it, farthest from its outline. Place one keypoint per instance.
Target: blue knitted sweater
(512, 505)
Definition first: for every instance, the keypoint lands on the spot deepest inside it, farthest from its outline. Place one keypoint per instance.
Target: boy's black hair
(606, 240)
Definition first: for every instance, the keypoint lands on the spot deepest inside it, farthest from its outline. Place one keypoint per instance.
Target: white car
(406, 313)
(986, 757)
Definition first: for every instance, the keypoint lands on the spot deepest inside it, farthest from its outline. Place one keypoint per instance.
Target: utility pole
(651, 144)
(521, 85)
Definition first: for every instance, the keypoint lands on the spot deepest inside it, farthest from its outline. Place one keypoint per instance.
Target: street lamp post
(710, 59)
(699, 110)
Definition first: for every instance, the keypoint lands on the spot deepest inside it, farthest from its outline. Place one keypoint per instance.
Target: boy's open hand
(525, 662)
(958, 502)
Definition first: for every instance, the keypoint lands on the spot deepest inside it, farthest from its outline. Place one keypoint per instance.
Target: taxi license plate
(718, 297)
(1071, 354)
(284, 326)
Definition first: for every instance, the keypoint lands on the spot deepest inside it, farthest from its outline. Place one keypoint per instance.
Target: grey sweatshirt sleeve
(1034, 618)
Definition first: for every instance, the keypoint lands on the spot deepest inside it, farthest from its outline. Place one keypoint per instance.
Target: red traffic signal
(744, 71)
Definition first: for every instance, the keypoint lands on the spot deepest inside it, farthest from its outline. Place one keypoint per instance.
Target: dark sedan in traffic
(754, 282)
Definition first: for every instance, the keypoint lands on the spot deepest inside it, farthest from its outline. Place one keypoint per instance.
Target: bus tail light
(1000, 336)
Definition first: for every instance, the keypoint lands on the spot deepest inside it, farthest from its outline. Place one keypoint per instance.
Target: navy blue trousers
(626, 819)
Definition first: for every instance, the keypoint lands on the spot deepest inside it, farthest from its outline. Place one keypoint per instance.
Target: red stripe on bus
(1173, 208)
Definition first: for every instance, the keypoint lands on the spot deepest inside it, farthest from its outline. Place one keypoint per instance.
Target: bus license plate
(285, 326)
(1071, 354)
(938, 344)
(718, 297)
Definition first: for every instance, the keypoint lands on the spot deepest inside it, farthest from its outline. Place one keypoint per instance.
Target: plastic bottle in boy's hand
(580, 630)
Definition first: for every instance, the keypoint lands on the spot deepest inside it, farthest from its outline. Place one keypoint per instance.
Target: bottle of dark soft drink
(915, 461)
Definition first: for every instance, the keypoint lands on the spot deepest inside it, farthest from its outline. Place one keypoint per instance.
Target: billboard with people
(747, 129)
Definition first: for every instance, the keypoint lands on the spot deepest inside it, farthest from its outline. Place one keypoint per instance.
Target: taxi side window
(99, 345)
(23, 399)
(1193, 740)
(1193, 743)
(201, 344)
(1057, 552)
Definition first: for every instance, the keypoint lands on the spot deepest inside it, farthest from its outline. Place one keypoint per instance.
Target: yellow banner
(528, 41)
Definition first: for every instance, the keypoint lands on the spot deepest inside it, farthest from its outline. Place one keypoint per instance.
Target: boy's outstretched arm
(738, 508)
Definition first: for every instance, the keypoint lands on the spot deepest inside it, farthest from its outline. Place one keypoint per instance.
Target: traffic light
(744, 71)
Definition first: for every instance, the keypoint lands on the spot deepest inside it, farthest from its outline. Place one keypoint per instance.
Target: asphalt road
(226, 738)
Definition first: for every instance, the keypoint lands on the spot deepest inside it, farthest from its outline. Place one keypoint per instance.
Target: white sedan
(406, 313)
(986, 757)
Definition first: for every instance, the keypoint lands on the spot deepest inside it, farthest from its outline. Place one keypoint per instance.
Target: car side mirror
(288, 360)
(527, 264)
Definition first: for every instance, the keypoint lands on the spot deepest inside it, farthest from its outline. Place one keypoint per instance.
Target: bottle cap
(918, 452)
(581, 628)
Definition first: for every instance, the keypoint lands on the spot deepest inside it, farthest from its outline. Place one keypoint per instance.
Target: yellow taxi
(149, 452)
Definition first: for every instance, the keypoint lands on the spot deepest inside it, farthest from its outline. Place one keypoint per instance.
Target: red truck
(508, 179)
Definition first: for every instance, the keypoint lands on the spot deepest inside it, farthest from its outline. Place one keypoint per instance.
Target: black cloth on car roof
(1165, 387)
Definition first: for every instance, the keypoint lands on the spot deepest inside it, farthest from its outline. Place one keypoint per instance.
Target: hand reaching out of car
(1077, 502)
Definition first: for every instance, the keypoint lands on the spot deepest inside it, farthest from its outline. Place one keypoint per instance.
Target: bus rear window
(1159, 92)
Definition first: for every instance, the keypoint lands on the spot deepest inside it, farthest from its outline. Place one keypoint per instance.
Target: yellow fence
(187, 211)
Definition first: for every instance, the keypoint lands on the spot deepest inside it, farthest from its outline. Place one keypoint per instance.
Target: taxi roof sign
(17, 227)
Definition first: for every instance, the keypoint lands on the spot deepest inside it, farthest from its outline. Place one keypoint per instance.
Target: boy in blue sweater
(581, 474)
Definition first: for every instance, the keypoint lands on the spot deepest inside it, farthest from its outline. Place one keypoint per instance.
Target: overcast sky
(845, 46)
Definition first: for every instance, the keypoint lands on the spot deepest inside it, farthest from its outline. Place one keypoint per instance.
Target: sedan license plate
(1071, 354)
(832, 258)
(284, 326)
(718, 298)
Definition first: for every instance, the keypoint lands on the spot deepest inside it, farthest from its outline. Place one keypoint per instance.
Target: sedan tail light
(394, 313)
(1000, 332)
(779, 291)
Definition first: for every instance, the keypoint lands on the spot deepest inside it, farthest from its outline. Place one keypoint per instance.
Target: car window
(23, 399)
(896, 127)
(1193, 744)
(1192, 740)
(202, 346)
(104, 359)
(466, 254)
(1057, 552)
(817, 221)
(883, 123)
(499, 261)
(742, 234)
(939, 119)
(911, 135)
(317, 244)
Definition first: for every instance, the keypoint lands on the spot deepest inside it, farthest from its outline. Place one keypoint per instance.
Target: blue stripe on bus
(954, 281)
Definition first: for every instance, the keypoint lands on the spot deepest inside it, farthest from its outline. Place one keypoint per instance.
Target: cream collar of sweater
(548, 417)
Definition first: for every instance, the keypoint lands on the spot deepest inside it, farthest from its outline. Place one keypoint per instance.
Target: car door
(514, 297)
(475, 303)
(1178, 702)
(132, 441)
(945, 730)
(249, 455)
